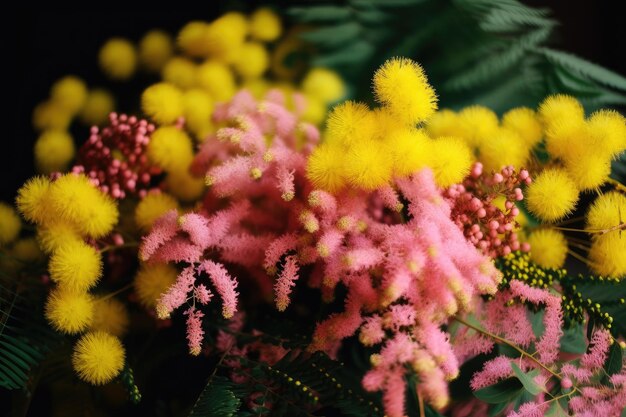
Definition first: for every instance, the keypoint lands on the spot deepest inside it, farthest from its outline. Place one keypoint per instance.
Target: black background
(42, 46)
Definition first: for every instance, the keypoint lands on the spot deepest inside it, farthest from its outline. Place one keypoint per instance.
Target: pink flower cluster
(487, 226)
(115, 158)
(404, 277)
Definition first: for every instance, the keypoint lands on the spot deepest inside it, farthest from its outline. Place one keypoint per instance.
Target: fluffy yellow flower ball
(70, 93)
(552, 195)
(225, 36)
(401, 85)
(217, 79)
(445, 122)
(98, 357)
(170, 148)
(608, 130)
(31, 199)
(350, 122)
(110, 316)
(198, 108)
(265, 25)
(180, 72)
(410, 149)
(252, 60)
(503, 147)
(192, 39)
(548, 248)
(606, 255)
(155, 48)
(10, 224)
(69, 312)
(325, 84)
(325, 167)
(76, 200)
(451, 160)
(50, 115)
(184, 186)
(57, 234)
(560, 107)
(588, 168)
(54, 149)
(151, 207)
(100, 103)
(607, 211)
(567, 138)
(118, 59)
(26, 250)
(152, 280)
(162, 102)
(525, 123)
(478, 123)
(75, 266)
(368, 165)
(314, 111)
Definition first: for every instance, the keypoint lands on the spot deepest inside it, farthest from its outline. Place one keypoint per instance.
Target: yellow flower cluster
(606, 222)
(67, 212)
(366, 148)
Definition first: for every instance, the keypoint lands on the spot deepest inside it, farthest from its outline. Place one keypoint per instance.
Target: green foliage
(502, 392)
(527, 379)
(25, 339)
(217, 399)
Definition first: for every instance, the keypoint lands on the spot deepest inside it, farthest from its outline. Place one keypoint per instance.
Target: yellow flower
(110, 316)
(54, 150)
(50, 115)
(445, 122)
(31, 199)
(155, 48)
(368, 165)
(525, 123)
(325, 167)
(503, 147)
(162, 102)
(401, 85)
(608, 130)
(69, 312)
(75, 266)
(184, 186)
(324, 84)
(57, 234)
(558, 108)
(98, 357)
(225, 36)
(265, 25)
(479, 123)
(180, 72)
(451, 160)
(118, 58)
(152, 280)
(606, 256)
(552, 195)
(26, 250)
(252, 60)
(151, 207)
(170, 148)
(548, 248)
(588, 168)
(100, 103)
(70, 93)
(192, 39)
(75, 200)
(410, 149)
(608, 210)
(10, 224)
(350, 122)
(567, 138)
(314, 111)
(198, 107)
(217, 78)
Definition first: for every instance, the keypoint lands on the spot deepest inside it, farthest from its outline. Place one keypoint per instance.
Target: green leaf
(216, 399)
(556, 410)
(317, 14)
(573, 340)
(503, 391)
(613, 363)
(497, 409)
(527, 379)
(334, 36)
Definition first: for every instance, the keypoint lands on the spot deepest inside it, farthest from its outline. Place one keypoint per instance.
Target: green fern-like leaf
(217, 399)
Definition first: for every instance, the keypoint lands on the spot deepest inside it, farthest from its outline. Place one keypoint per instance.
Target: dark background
(42, 46)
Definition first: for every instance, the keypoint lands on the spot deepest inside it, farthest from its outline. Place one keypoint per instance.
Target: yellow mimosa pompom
(100, 103)
(56, 234)
(504, 147)
(225, 36)
(32, 199)
(75, 266)
(217, 79)
(552, 195)
(608, 130)
(559, 107)
(314, 110)
(401, 84)
(410, 150)
(69, 312)
(451, 160)
(607, 211)
(252, 60)
(152, 280)
(50, 115)
(606, 255)
(184, 186)
(479, 123)
(525, 123)
(567, 138)
(192, 39)
(155, 48)
(325, 167)
(180, 72)
(70, 93)
(265, 25)
(111, 316)
(118, 58)
(445, 122)
(153, 206)
(588, 168)
(54, 149)
(98, 357)
(350, 122)
(10, 224)
(76, 200)
(323, 83)
(368, 165)
(162, 102)
(258, 87)
(198, 107)
(548, 248)
(27, 250)
(170, 148)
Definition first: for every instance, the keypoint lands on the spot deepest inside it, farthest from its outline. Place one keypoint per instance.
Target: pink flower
(195, 333)
(225, 286)
(286, 280)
